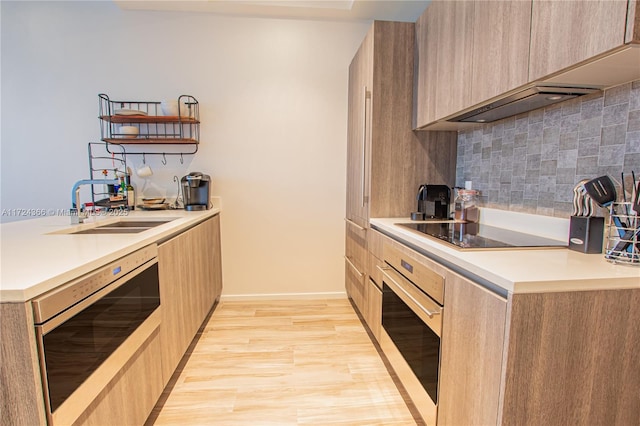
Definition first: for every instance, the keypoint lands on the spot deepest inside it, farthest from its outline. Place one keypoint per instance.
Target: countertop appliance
(481, 236)
(196, 190)
(412, 307)
(433, 202)
(80, 324)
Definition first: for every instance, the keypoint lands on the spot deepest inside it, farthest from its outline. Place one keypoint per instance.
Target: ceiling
(342, 10)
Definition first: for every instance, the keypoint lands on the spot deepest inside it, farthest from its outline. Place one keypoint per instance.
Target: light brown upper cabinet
(471, 52)
(564, 33)
(501, 32)
(444, 36)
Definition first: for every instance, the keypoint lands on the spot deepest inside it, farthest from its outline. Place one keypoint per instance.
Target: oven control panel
(55, 301)
(417, 272)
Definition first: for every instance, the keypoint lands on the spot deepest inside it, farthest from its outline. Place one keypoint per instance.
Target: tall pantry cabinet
(386, 160)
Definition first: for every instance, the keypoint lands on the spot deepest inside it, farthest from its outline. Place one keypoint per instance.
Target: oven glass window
(76, 348)
(417, 343)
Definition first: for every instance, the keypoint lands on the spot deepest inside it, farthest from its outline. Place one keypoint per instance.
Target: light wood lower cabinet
(21, 399)
(559, 358)
(473, 334)
(189, 268)
(373, 308)
(355, 263)
(577, 355)
(131, 395)
(354, 284)
(543, 358)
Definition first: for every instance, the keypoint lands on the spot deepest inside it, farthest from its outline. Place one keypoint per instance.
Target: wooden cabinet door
(359, 131)
(564, 33)
(216, 261)
(131, 396)
(354, 284)
(427, 63)
(190, 281)
(444, 36)
(454, 29)
(205, 260)
(473, 334)
(373, 309)
(501, 32)
(355, 263)
(173, 273)
(576, 354)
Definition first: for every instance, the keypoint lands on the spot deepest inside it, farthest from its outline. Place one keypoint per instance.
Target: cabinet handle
(350, 222)
(361, 274)
(364, 144)
(385, 271)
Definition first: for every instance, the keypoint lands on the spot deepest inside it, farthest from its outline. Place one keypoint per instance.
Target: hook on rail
(164, 159)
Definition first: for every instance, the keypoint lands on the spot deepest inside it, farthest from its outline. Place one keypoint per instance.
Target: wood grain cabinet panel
(577, 356)
(454, 55)
(189, 268)
(473, 334)
(355, 263)
(359, 131)
(386, 160)
(21, 396)
(564, 33)
(373, 309)
(426, 65)
(444, 42)
(500, 54)
(556, 359)
(133, 393)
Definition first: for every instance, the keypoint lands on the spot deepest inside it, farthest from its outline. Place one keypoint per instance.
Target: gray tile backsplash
(531, 162)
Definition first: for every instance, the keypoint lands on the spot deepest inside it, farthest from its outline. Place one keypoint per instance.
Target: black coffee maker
(196, 190)
(433, 202)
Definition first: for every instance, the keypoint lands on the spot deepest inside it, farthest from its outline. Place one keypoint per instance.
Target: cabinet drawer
(354, 284)
(373, 268)
(375, 243)
(356, 245)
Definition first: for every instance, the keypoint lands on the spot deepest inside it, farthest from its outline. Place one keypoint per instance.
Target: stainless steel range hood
(517, 103)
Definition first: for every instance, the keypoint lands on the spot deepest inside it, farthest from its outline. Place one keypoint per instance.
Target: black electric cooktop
(480, 236)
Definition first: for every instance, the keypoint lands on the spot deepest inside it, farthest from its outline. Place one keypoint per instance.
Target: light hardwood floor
(283, 363)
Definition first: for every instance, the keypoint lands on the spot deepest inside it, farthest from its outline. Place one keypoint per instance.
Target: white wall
(273, 96)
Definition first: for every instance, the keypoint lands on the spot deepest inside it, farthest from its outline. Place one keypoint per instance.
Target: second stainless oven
(412, 307)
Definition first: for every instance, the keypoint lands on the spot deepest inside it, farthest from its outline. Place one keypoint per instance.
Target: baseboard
(283, 296)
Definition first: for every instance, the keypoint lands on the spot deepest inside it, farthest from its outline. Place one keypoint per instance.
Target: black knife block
(586, 234)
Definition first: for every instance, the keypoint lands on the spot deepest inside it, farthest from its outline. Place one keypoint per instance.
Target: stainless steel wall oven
(412, 307)
(79, 325)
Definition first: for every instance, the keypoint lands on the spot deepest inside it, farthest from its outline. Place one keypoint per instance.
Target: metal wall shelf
(153, 126)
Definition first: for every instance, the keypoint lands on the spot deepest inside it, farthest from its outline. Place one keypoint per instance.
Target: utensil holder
(623, 236)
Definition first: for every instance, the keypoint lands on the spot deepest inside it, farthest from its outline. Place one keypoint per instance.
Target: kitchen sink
(119, 227)
(135, 224)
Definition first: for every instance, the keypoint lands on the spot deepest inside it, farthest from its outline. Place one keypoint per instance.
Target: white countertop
(36, 257)
(523, 270)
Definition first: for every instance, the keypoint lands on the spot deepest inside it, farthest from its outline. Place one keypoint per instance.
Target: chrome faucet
(76, 213)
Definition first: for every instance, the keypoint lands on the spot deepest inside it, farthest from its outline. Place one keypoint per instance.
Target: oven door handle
(386, 272)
